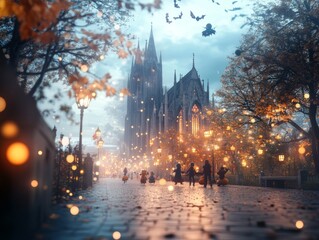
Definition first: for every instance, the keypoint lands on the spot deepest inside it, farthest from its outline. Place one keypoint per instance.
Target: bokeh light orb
(70, 158)
(65, 141)
(17, 153)
(116, 235)
(9, 129)
(162, 181)
(170, 188)
(301, 150)
(3, 104)
(299, 224)
(74, 210)
(34, 183)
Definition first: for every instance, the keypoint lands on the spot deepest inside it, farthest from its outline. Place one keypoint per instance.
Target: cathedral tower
(146, 91)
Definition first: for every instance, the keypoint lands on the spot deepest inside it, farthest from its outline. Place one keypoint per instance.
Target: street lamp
(82, 101)
(100, 143)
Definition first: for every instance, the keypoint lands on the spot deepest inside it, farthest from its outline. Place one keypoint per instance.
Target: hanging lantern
(260, 151)
(281, 157)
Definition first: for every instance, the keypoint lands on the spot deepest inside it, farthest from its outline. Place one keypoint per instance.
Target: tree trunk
(315, 152)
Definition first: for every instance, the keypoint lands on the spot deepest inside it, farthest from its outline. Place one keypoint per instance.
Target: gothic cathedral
(150, 111)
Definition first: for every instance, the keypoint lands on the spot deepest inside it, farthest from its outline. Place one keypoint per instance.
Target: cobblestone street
(159, 212)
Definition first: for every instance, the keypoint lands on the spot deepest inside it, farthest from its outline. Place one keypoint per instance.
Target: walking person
(222, 179)
(191, 174)
(178, 174)
(207, 174)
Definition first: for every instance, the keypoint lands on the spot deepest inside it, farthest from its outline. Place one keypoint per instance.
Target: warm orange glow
(3, 104)
(301, 150)
(260, 151)
(74, 210)
(306, 95)
(226, 159)
(74, 167)
(70, 158)
(116, 235)
(298, 105)
(170, 188)
(9, 129)
(244, 163)
(17, 153)
(162, 181)
(40, 153)
(281, 157)
(34, 183)
(299, 224)
(84, 68)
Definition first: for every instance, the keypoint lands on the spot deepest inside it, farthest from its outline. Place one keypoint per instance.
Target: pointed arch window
(195, 120)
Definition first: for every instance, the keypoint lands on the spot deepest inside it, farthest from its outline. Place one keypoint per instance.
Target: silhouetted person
(178, 174)
(207, 174)
(151, 179)
(144, 174)
(221, 173)
(88, 171)
(125, 171)
(191, 174)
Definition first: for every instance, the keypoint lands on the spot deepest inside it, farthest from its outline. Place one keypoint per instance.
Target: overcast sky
(176, 42)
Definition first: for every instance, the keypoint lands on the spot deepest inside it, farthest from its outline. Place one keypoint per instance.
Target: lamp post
(100, 143)
(82, 101)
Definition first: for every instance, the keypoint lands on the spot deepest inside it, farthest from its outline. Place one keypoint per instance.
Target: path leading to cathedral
(114, 210)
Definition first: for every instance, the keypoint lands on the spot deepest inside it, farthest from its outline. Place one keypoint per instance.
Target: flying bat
(198, 17)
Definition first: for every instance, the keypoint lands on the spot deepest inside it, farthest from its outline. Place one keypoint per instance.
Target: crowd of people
(205, 176)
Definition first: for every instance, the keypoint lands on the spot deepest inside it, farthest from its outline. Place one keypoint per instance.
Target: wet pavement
(112, 209)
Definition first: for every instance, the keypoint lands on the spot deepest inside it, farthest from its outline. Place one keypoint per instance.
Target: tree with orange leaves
(274, 78)
(50, 41)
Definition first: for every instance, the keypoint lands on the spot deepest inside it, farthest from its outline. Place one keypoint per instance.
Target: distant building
(150, 111)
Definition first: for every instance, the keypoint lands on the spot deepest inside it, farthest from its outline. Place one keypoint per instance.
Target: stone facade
(151, 111)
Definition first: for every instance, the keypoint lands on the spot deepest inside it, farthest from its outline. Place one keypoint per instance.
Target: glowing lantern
(226, 159)
(260, 151)
(17, 153)
(74, 167)
(281, 157)
(297, 105)
(232, 148)
(301, 150)
(40, 153)
(244, 163)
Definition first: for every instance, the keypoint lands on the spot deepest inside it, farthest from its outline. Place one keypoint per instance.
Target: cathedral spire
(151, 51)
(174, 77)
(193, 60)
